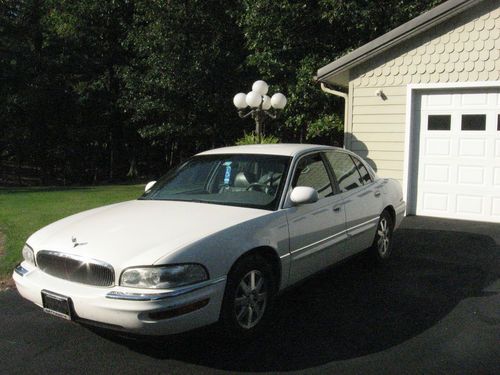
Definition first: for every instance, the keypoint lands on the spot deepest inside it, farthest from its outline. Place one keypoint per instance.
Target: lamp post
(260, 105)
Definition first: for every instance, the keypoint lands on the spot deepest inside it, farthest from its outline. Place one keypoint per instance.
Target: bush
(251, 139)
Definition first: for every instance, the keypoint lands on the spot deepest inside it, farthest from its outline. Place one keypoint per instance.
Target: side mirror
(149, 185)
(303, 195)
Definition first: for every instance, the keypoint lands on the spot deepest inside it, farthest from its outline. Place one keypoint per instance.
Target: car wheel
(248, 298)
(382, 244)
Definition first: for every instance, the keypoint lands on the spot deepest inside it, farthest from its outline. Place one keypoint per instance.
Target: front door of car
(317, 230)
(362, 199)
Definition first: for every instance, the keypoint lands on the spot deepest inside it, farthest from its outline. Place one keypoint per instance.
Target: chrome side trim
(362, 224)
(163, 295)
(336, 235)
(320, 241)
(20, 270)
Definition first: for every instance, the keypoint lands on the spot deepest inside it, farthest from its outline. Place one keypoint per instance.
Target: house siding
(463, 49)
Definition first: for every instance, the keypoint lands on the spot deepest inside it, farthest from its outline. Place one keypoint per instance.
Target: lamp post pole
(259, 105)
(258, 127)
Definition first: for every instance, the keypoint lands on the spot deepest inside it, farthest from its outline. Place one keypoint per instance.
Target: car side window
(311, 171)
(365, 175)
(345, 171)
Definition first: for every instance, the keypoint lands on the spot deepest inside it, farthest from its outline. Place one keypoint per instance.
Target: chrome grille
(75, 268)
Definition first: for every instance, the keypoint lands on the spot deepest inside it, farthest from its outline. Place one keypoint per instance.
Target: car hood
(138, 232)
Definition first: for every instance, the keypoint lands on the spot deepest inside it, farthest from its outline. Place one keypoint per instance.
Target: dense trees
(93, 91)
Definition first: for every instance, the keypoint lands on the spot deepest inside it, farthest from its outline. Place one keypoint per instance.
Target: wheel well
(270, 255)
(392, 213)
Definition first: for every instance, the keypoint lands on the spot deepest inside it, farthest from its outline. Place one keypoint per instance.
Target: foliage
(289, 40)
(94, 91)
(252, 139)
(26, 210)
(186, 63)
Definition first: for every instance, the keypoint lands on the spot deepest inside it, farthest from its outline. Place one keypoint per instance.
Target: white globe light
(253, 99)
(266, 102)
(239, 100)
(260, 87)
(278, 100)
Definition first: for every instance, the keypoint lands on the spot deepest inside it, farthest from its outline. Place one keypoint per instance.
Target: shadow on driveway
(354, 309)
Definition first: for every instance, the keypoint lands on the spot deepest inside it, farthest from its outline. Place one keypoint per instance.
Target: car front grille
(75, 268)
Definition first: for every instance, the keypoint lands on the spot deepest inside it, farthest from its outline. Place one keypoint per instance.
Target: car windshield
(231, 179)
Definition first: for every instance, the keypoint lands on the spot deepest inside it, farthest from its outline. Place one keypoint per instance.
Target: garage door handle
(377, 193)
(336, 209)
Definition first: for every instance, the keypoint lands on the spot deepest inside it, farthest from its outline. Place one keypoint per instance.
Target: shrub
(251, 139)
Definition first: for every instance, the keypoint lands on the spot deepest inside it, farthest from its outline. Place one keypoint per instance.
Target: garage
(459, 155)
(422, 105)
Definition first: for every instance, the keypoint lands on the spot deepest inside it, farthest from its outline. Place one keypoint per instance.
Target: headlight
(163, 277)
(29, 255)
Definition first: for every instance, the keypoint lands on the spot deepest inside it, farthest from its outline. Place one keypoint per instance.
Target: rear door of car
(362, 198)
(317, 230)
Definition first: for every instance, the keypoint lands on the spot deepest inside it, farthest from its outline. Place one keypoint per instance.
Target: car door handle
(336, 209)
(377, 193)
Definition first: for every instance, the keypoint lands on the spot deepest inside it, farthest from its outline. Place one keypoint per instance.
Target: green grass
(24, 210)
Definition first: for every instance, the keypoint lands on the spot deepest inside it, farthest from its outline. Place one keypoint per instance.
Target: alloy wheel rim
(251, 299)
(384, 234)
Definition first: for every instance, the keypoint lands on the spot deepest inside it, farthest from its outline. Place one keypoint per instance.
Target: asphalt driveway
(434, 309)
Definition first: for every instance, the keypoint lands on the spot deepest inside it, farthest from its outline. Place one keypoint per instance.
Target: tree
(93, 91)
(187, 65)
(32, 85)
(91, 35)
(289, 40)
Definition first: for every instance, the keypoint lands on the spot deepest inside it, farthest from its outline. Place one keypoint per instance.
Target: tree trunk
(111, 155)
(132, 171)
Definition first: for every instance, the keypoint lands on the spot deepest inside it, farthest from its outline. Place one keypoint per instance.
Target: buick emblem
(76, 243)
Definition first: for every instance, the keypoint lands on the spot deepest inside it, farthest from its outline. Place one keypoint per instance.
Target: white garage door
(459, 155)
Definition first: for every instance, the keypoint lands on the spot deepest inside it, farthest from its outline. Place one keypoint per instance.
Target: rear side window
(345, 171)
(311, 171)
(365, 176)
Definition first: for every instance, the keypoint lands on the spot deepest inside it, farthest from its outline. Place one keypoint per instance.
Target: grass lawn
(24, 210)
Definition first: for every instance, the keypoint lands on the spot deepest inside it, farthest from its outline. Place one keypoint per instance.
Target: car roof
(285, 149)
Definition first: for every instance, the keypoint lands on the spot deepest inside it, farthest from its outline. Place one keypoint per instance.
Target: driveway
(435, 308)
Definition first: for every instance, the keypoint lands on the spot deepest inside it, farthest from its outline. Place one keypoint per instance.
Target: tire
(381, 248)
(249, 295)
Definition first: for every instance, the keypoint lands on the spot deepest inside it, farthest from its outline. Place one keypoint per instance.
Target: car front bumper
(138, 311)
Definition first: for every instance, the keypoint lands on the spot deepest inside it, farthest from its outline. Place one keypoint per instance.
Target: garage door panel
(472, 147)
(438, 100)
(474, 99)
(471, 175)
(435, 202)
(437, 173)
(469, 204)
(458, 174)
(438, 147)
(495, 207)
(497, 148)
(496, 177)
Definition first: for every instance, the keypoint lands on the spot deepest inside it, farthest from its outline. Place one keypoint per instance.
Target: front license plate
(56, 304)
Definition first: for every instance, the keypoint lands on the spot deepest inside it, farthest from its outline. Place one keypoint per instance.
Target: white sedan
(214, 240)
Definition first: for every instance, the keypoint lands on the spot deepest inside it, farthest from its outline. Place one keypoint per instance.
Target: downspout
(346, 106)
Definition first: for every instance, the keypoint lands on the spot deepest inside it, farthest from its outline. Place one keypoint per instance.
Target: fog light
(167, 314)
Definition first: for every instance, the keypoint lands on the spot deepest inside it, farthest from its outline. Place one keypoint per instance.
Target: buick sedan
(215, 240)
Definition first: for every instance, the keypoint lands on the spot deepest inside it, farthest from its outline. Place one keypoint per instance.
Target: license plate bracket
(56, 304)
